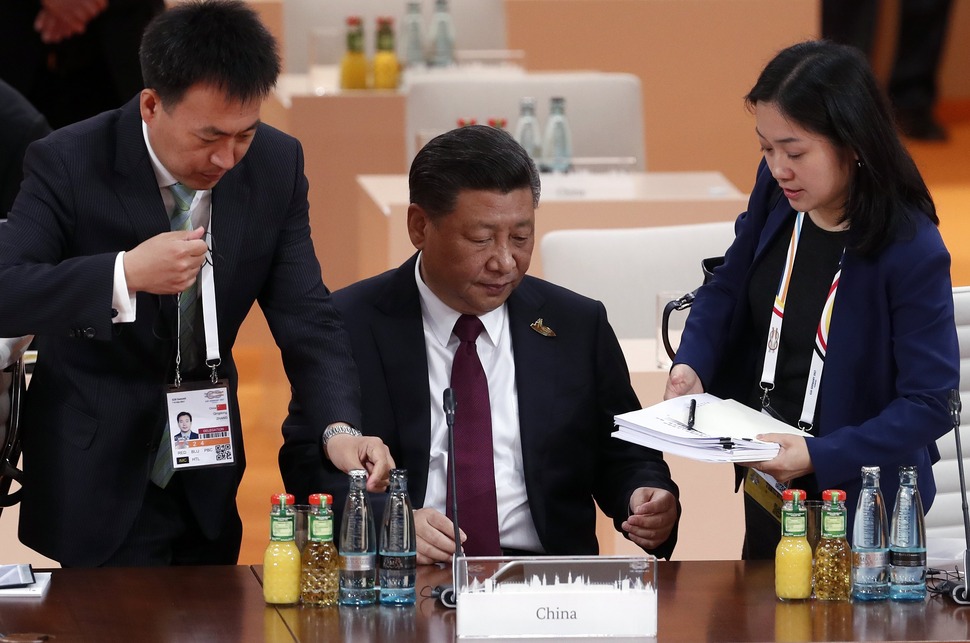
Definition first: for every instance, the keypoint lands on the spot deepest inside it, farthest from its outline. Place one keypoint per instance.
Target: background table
(699, 600)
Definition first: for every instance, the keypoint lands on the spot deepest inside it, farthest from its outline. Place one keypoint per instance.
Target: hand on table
(435, 536)
(653, 514)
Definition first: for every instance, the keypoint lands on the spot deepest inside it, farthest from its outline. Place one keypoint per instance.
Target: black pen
(691, 413)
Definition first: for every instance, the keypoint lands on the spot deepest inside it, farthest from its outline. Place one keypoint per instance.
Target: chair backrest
(478, 25)
(626, 268)
(945, 519)
(604, 110)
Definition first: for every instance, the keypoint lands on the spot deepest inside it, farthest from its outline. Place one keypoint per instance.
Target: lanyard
(207, 287)
(810, 402)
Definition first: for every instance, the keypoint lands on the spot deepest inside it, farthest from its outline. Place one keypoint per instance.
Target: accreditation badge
(199, 425)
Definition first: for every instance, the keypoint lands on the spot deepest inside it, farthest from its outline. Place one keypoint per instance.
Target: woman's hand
(682, 381)
(793, 459)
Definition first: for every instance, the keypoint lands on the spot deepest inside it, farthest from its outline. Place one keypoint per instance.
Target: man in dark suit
(555, 373)
(91, 265)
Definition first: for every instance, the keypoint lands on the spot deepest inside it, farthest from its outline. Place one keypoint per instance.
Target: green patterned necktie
(181, 220)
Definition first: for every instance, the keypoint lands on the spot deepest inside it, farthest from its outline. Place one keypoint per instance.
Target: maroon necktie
(474, 468)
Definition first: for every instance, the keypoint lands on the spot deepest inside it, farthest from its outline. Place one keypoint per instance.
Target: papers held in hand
(722, 430)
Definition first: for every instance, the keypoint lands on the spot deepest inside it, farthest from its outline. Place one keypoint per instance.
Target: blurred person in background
(920, 37)
(73, 59)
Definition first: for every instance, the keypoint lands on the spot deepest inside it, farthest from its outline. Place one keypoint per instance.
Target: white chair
(604, 109)
(625, 268)
(944, 522)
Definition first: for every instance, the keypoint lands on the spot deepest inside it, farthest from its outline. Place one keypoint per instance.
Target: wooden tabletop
(699, 601)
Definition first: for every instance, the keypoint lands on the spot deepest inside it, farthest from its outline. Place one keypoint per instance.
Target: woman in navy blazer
(869, 292)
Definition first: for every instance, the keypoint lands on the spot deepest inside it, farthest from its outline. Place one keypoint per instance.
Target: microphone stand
(447, 594)
(961, 593)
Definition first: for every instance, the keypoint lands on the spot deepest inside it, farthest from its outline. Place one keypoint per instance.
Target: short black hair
(829, 89)
(476, 157)
(179, 416)
(221, 43)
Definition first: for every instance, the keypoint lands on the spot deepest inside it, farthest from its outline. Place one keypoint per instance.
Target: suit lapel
(135, 177)
(231, 221)
(535, 357)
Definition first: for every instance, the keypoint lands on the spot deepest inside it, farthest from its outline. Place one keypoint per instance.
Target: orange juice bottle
(793, 556)
(387, 68)
(353, 66)
(281, 562)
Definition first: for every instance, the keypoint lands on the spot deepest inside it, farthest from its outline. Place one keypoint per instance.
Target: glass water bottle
(907, 542)
(398, 553)
(870, 541)
(358, 546)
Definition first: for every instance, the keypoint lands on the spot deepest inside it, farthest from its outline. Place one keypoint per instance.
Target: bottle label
(321, 528)
(793, 523)
(870, 558)
(907, 558)
(358, 563)
(833, 524)
(282, 527)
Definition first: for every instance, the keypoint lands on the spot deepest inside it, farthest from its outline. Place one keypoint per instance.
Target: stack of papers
(723, 431)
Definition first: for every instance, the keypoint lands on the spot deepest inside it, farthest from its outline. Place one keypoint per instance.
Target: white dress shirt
(494, 345)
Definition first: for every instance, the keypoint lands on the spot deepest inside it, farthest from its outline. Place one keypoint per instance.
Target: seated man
(532, 444)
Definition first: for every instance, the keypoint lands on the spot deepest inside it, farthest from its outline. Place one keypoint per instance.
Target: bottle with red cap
(793, 556)
(353, 66)
(320, 582)
(281, 562)
(832, 577)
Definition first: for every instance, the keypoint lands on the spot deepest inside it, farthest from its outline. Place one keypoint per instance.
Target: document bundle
(703, 427)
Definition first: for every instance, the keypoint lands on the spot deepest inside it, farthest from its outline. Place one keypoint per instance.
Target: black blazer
(569, 388)
(94, 414)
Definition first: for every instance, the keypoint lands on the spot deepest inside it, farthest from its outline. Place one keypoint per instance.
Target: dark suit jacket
(95, 412)
(20, 125)
(892, 348)
(569, 388)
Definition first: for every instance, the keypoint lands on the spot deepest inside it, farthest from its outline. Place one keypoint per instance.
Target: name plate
(582, 596)
(589, 186)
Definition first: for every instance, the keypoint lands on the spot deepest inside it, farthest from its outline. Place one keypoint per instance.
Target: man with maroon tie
(536, 370)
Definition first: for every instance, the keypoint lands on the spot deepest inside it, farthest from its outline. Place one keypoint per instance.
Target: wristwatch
(340, 428)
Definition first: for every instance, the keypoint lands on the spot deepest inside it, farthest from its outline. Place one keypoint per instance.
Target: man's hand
(653, 516)
(682, 381)
(348, 452)
(166, 264)
(436, 536)
(793, 459)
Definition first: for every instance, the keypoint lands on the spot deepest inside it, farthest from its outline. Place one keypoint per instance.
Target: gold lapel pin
(542, 329)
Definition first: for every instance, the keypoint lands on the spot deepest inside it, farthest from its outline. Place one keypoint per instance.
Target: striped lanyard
(821, 334)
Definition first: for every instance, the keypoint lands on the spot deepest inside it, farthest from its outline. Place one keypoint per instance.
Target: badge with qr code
(200, 425)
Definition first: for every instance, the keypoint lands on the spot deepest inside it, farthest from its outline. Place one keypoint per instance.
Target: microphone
(961, 593)
(446, 594)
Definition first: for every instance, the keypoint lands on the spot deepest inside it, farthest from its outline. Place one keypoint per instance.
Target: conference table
(698, 601)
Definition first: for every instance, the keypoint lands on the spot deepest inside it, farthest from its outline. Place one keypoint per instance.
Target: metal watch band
(338, 429)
